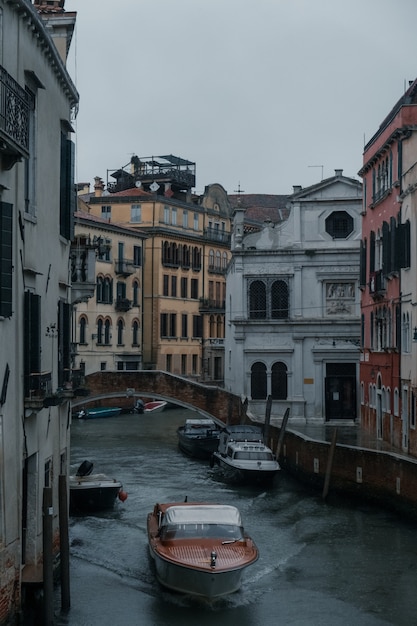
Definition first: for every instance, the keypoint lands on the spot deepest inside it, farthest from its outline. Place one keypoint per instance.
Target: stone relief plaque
(340, 298)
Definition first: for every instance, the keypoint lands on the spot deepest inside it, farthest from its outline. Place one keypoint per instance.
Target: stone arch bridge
(108, 389)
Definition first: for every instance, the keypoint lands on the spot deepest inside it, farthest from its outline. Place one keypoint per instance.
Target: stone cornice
(36, 28)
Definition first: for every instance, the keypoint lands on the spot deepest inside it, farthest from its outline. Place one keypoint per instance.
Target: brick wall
(384, 478)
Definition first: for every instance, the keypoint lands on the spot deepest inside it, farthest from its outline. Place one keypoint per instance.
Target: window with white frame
(136, 213)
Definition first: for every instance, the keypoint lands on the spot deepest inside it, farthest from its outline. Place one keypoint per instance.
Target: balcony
(215, 343)
(15, 106)
(208, 305)
(124, 267)
(38, 387)
(217, 269)
(83, 266)
(377, 284)
(122, 305)
(219, 236)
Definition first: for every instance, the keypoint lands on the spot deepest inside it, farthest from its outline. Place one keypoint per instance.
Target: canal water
(320, 564)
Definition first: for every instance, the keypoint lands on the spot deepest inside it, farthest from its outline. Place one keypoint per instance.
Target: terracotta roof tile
(261, 207)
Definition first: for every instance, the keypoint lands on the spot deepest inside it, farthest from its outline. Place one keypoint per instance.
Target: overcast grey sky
(256, 92)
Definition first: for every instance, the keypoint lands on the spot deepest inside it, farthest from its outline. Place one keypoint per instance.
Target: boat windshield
(227, 532)
(253, 456)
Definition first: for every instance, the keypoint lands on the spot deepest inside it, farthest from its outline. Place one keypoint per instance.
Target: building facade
(37, 200)
(292, 306)
(107, 328)
(186, 252)
(388, 278)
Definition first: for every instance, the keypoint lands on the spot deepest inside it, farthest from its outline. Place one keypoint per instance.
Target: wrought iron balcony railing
(15, 106)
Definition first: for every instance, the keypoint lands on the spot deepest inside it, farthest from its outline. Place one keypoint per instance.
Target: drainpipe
(152, 285)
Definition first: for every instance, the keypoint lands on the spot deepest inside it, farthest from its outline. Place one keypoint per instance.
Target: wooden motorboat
(155, 407)
(199, 549)
(199, 437)
(100, 411)
(243, 455)
(93, 492)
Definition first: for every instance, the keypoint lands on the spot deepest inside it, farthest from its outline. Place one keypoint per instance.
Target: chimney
(296, 188)
(338, 172)
(98, 187)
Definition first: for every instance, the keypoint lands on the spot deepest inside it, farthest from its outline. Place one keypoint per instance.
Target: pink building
(385, 255)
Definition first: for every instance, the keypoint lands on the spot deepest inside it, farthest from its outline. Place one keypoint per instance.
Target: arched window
(135, 290)
(99, 289)
(135, 333)
(279, 384)
(83, 324)
(100, 331)
(224, 260)
(211, 259)
(212, 326)
(165, 252)
(107, 332)
(219, 326)
(257, 300)
(196, 260)
(218, 260)
(258, 381)
(279, 300)
(175, 255)
(185, 256)
(120, 332)
(108, 290)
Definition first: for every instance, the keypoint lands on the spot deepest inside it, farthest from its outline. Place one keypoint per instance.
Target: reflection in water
(319, 564)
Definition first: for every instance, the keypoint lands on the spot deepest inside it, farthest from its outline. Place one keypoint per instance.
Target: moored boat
(198, 437)
(155, 407)
(243, 455)
(199, 549)
(93, 492)
(100, 411)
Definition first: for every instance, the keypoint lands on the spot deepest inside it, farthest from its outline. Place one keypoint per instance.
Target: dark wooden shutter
(32, 337)
(6, 251)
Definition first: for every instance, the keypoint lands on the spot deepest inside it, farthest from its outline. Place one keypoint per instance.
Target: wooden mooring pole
(48, 576)
(64, 544)
(282, 432)
(267, 419)
(329, 465)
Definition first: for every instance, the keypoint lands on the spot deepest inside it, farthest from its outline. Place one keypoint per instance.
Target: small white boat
(155, 407)
(244, 457)
(101, 411)
(199, 549)
(93, 492)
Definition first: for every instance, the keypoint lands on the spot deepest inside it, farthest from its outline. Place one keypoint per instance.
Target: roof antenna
(318, 166)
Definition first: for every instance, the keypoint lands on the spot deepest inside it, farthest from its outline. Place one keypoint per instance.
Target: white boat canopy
(202, 514)
(199, 422)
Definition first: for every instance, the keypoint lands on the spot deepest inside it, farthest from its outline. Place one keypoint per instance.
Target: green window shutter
(6, 250)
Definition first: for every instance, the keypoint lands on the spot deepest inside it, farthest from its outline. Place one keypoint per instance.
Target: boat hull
(155, 407)
(199, 549)
(200, 448)
(100, 412)
(89, 496)
(253, 475)
(191, 582)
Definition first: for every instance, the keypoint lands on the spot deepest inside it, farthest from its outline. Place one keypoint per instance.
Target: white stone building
(37, 200)
(292, 307)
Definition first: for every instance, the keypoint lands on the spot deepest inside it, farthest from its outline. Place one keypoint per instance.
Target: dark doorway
(340, 387)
